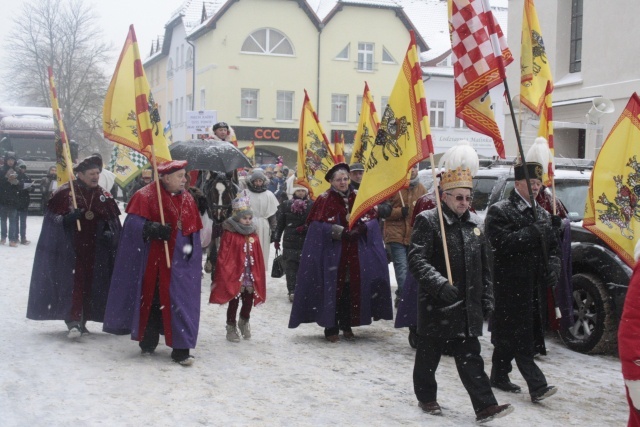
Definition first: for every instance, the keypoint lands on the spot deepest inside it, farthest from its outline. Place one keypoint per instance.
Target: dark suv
(599, 278)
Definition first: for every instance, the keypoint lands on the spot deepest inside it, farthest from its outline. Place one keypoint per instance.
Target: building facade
(587, 45)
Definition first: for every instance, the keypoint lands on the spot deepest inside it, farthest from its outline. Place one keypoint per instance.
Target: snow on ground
(281, 377)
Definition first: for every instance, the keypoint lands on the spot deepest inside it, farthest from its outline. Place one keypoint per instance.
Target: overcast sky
(147, 16)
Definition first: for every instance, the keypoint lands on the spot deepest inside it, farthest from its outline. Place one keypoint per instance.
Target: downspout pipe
(320, 27)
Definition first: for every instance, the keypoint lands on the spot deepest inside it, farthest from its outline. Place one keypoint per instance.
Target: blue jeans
(10, 213)
(22, 224)
(399, 254)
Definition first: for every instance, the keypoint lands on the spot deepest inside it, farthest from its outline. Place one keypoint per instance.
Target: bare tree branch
(65, 35)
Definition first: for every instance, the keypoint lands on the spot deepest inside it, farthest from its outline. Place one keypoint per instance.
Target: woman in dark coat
(291, 220)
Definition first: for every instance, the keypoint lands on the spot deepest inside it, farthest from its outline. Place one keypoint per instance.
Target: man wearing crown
(451, 310)
(148, 297)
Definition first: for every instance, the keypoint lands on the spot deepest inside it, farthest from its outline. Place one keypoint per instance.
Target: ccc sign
(267, 134)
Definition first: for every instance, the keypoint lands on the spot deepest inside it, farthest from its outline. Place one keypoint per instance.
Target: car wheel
(594, 326)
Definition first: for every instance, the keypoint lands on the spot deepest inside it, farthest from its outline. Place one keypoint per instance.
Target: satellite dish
(600, 107)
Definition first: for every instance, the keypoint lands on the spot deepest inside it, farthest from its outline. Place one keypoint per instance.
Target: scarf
(235, 227)
(255, 189)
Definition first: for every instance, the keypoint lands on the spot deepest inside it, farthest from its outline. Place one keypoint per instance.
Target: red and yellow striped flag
(63, 154)
(250, 152)
(314, 152)
(338, 149)
(367, 129)
(130, 113)
(612, 212)
(536, 79)
(403, 138)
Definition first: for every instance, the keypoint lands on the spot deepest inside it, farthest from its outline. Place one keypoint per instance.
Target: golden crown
(456, 178)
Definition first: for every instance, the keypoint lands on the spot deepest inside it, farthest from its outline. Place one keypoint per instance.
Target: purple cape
(407, 314)
(52, 277)
(317, 278)
(123, 307)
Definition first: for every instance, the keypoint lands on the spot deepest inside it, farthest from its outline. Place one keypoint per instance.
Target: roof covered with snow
(429, 17)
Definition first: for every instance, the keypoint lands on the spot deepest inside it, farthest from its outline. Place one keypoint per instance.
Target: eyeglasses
(460, 197)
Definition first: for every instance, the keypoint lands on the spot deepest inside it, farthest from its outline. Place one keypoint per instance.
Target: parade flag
(130, 113)
(126, 164)
(250, 152)
(63, 154)
(314, 152)
(338, 149)
(367, 129)
(403, 138)
(168, 132)
(480, 53)
(536, 80)
(612, 210)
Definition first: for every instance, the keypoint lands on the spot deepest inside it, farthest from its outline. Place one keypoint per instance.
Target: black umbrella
(208, 154)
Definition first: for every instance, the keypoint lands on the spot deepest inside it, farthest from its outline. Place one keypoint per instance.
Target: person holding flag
(143, 284)
(451, 309)
(344, 280)
(526, 262)
(73, 265)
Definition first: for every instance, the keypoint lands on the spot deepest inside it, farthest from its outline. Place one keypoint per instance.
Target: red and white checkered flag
(480, 53)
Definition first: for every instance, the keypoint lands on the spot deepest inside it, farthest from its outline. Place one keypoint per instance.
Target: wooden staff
(439, 207)
(155, 171)
(70, 173)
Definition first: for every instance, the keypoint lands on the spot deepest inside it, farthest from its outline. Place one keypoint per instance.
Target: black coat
(519, 270)
(287, 222)
(24, 194)
(8, 192)
(468, 256)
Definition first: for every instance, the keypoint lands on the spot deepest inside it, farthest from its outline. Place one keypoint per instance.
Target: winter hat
(338, 166)
(355, 167)
(535, 171)
(241, 206)
(91, 162)
(21, 164)
(220, 125)
(297, 187)
(10, 155)
(257, 174)
(461, 163)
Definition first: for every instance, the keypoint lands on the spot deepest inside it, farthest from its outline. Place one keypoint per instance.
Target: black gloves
(556, 221)
(70, 218)
(542, 226)
(405, 211)
(355, 232)
(550, 279)
(448, 293)
(156, 231)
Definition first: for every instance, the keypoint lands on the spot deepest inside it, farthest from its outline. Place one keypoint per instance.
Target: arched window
(267, 41)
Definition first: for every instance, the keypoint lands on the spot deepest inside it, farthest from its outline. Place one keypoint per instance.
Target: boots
(245, 328)
(232, 333)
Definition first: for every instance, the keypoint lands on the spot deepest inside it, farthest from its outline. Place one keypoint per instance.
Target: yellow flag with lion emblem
(613, 209)
(402, 140)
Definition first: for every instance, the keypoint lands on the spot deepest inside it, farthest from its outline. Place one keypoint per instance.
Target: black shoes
(431, 408)
(494, 411)
(543, 393)
(506, 385)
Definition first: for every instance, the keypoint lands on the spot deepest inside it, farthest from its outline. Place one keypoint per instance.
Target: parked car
(599, 278)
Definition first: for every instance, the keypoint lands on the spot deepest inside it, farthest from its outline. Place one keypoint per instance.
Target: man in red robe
(149, 297)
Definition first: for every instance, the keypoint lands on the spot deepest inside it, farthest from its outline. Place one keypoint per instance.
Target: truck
(29, 132)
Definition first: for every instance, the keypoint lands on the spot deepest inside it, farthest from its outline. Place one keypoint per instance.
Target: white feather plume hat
(460, 164)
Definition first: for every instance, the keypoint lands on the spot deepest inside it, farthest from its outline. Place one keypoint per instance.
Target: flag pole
(439, 207)
(501, 67)
(73, 191)
(155, 171)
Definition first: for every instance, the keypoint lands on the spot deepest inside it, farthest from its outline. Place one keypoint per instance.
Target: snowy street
(281, 377)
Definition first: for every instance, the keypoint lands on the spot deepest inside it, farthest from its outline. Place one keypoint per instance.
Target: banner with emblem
(612, 210)
(126, 164)
(367, 129)
(403, 138)
(338, 148)
(64, 165)
(130, 113)
(315, 157)
(250, 152)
